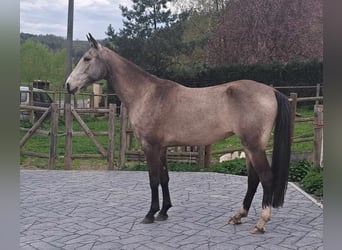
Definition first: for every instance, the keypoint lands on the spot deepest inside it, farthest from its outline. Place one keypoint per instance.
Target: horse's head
(88, 70)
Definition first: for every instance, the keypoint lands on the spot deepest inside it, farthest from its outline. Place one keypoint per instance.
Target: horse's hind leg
(263, 170)
(253, 182)
(164, 182)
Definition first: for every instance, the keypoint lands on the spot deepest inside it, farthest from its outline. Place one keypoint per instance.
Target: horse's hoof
(234, 221)
(257, 230)
(147, 220)
(161, 217)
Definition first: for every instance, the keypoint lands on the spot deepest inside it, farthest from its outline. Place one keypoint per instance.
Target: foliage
(54, 43)
(180, 167)
(202, 6)
(136, 167)
(303, 130)
(57, 44)
(266, 31)
(177, 167)
(197, 32)
(236, 167)
(313, 182)
(146, 17)
(289, 74)
(298, 170)
(37, 62)
(151, 35)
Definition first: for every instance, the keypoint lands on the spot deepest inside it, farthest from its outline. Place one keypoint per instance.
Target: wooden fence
(70, 112)
(130, 150)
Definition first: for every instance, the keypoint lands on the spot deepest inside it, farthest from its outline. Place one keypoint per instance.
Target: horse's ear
(93, 42)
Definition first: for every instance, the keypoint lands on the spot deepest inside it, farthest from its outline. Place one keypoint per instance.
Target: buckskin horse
(164, 113)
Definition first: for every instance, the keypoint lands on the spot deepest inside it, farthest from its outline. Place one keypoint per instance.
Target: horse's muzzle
(71, 91)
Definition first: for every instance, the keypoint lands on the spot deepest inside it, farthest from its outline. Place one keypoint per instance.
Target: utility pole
(69, 44)
(67, 97)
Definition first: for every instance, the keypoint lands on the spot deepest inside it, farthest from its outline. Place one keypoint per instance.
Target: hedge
(290, 74)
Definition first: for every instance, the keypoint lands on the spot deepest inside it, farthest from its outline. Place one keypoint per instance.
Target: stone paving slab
(103, 210)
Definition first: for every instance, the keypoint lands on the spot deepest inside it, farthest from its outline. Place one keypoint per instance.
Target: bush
(177, 167)
(298, 170)
(138, 167)
(237, 167)
(183, 167)
(313, 182)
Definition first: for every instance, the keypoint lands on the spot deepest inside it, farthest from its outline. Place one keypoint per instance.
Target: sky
(41, 17)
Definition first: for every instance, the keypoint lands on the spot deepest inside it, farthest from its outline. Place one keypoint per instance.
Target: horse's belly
(195, 135)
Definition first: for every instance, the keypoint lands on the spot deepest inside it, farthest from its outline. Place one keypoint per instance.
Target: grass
(83, 145)
(303, 130)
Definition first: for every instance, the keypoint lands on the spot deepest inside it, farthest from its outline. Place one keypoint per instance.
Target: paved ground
(103, 210)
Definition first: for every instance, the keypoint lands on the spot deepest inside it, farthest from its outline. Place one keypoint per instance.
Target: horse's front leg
(164, 182)
(152, 154)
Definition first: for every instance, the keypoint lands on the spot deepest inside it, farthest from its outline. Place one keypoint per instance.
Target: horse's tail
(281, 149)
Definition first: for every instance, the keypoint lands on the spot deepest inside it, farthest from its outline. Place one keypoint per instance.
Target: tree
(151, 35)
(37, 62)
(197, 33)
(203, 6)
(268, 31)
(57, 44)
(145, 17)
(34, 58)
(204, 16)
(54, 43)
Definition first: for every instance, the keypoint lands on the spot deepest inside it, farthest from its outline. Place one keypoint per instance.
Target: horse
(164, 113)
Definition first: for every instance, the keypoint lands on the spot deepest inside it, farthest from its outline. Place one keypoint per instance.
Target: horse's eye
(87, 59)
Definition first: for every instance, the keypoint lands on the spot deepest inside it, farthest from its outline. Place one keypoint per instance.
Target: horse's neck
(129, 81)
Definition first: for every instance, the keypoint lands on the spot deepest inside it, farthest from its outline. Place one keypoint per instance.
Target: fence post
(75, 101)
(318, 88)
(318, 135)
(60, 99)
(123, 142)
(207, 156)
(68, 136)
(32, 116)
(293, 97)
(92, 103)
(111, 140)
(53, 136)
(201, 156)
